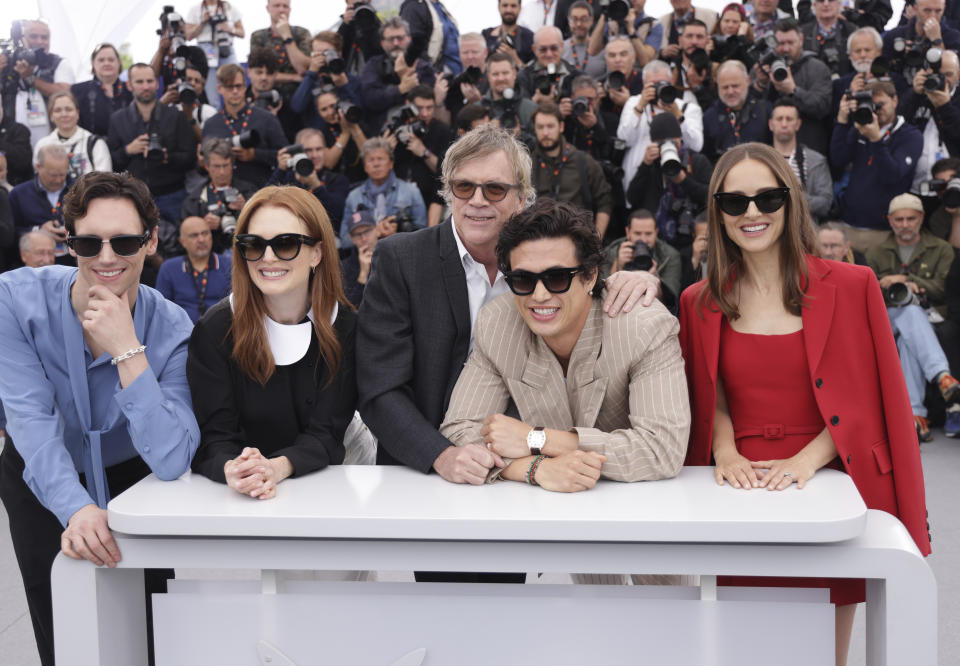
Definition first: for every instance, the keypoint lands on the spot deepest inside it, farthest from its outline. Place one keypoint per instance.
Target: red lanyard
(243, 125)
(576, 58)
(55, 210)
(734, 124)
(546, 9)
(281, 50)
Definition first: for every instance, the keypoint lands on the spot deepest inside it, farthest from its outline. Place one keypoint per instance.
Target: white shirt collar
(289, 342)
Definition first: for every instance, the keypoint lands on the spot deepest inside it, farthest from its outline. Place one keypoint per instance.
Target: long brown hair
(797, 240)
(251, 350)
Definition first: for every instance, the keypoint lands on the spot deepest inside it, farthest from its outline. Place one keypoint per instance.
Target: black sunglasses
(464, 189)
(124, 245)
(286, 247)
(555, 280)
(768, 201)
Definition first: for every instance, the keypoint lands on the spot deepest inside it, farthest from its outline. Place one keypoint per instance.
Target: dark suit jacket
(412, 341)
(856, 377)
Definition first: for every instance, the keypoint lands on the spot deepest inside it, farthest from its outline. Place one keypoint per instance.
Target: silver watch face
(536, 439)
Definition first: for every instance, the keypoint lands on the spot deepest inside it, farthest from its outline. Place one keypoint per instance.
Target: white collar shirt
(479, 290)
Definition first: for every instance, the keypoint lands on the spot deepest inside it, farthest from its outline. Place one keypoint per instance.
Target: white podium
(392, 518)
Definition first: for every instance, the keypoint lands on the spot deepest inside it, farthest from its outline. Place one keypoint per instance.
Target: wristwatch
(289, 40)
(536, 440)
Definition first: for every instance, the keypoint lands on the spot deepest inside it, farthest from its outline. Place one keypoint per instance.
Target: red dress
(774, 413)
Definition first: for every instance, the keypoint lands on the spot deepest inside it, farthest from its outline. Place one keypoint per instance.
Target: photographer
(396, 205)
(510, 108)
(642, 250)
(452, 93)
(328, 187)
(584, 126)
(435, 30)
(644, 32)
(693, 257)
(863, 14)
(683, 12)
(290, 44)
(622, 79)
(172, 50)
(882, 155)
(342, 137)
(324, 76)
(15, 145)
(38, 203)
(566, 174)
(804, 77)
(359, 31)
(658, 97)
(810, 166)
(387, 78)
(541, 79)
(693, 65)
(926, 26)
(153, 142)
(913, 258)
(419, 146)
(214, 24)
(509, 38)
(189, 96)
(944, 221)
(827, 35)
(577, 49)
(104, 93)
(932, 107)
(671, 180)
(355, 267)
(34, 75)
(764, 15)
(738, 116)
(256, 134)
(263, 91)
(864, 48)
(220, 195)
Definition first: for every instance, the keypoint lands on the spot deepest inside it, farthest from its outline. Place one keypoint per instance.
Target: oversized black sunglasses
(464, 189)
(768, 201)
(286, 247)
(123, 245)
(555, 280)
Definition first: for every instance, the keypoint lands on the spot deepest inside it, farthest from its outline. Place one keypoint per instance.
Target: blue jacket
(175, 281)
(332, 192)
(379, 96)
(879, 172)
(918, 111)
(951, 37)
(399, 194)
(304, 99)
(30, 206)
(719, 134)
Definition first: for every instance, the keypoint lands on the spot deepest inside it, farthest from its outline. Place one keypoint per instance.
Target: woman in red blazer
(790, 359)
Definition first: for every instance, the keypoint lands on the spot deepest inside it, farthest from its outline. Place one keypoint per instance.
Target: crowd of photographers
(623, 113)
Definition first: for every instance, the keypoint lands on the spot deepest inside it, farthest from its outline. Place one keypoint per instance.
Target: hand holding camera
(57, 230)
(139, 145)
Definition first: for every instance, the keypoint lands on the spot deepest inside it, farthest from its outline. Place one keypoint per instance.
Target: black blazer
(297, 414)
(412, 341)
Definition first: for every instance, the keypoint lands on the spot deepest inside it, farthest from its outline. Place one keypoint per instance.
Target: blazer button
(834, 420)
(848, 459)
(819, 382)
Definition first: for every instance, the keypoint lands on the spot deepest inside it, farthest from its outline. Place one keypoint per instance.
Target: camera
(684, 213)
(171, 24)
(899, 295)
(350, 111)
(863, 114)
(949, 190)
(616, 80)
(759, 50)
(580, 106)
(472, 75)
(505, 110)
(335, 64)
(880, 67)
(155, 147)
(544, 81)
(365, 15)
(614, 10)
(506, 38)
(267, 100)
(404, 220)
(248, 139)
(666, 94)
(853, 14)
(778, 66)
(388, 71)
(298, 160)
(936, 80)
(187, 93)
(670, 163)
(406, 122)
(700, 60)
(642, 258)
(228, 221)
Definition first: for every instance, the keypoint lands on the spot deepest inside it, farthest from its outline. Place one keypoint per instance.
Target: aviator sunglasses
(464, 189)
(555, 280)
(123, 245)
(768, 201)
(285, 247)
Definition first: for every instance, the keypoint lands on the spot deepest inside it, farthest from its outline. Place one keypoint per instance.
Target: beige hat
(905, 201)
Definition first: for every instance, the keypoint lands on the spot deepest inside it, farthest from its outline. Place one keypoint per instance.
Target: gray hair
(584, 81)
(659, 67)
(877, 39)
(376, 143)
(26, 239)
(306, 133)
(218, 147)
(733, 64)
(473, 37)
(482, 142)
(618, 38)
(394, 23)
(51, 152)
(835, 226)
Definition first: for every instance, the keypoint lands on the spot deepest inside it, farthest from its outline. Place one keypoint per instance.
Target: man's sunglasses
(124, 245)
(768, 201)
(555, 280)
(285, 247)
(464, 189)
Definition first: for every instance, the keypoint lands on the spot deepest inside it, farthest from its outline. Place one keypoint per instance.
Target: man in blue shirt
(197, 281)
(94, 389)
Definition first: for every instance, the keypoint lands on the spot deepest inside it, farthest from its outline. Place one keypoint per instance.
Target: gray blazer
(625, 392)
(819, 186)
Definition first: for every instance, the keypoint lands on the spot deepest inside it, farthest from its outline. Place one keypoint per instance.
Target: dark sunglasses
(555, 280)
(464, 189)
(124, 245)
(768, 201)
(285, 247)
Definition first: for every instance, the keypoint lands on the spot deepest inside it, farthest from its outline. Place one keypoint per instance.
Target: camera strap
(801, 168)
(200, 279)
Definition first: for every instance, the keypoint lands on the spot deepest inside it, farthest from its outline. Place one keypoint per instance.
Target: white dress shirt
(479, 290)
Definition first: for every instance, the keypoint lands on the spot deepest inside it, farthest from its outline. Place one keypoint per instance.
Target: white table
(392, 518)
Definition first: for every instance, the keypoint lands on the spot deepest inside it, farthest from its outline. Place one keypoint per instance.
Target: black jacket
(833, 51)
(272, 139)
(15, 144)
(197, 204)
(95, 107)
(175, 135)
(917, 110)
(752, 125)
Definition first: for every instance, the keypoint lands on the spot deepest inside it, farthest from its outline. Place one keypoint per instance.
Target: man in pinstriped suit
(610, 392)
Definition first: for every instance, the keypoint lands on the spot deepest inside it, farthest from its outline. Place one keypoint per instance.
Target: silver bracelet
(128, 354)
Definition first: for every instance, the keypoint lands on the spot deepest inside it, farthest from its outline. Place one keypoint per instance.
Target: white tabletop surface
(373, 502)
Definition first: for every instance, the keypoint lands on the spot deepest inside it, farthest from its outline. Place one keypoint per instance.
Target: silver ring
(788, 474)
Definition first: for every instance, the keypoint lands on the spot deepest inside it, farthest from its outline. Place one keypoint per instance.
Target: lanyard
(55, 210)
(734, 123)
(281, 50)
(244, 115)
(199, 282)
(547, 4)
(576, 59)
(554, 177)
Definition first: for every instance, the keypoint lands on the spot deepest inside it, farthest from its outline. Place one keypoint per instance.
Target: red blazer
(856, 377)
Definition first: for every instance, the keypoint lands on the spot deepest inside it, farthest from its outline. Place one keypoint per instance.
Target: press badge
(36, 115)
(210, 50)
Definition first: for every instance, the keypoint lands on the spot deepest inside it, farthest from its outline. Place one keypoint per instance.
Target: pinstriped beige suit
(625, 392)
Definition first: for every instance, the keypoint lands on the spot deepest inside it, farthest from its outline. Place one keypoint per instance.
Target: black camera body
(642, 258)
(949, 190)
(935, 81)
(505, 109)
(350, 111)
(898, 295)
(298, 159)
(684, 213)
(404, 220)
(248, 139)
(268, 99)
(155, 148)
(186, 93)
(335, 64)
(666, 93)
(778, 66)
(863, 114)
(580, 106)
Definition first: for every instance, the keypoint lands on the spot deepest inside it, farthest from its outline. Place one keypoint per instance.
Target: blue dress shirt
(66, 411)
(176, 282)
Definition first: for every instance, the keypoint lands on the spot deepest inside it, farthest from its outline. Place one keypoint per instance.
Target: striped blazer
(625, 393)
